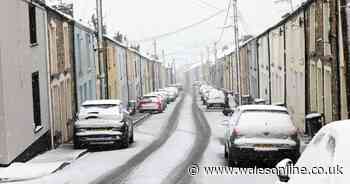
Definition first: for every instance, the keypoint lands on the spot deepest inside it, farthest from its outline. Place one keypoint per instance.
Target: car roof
(102, 102)
(341, 128)
(262, 107)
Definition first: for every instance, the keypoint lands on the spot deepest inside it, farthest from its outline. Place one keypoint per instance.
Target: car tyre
(131, 140)
(295, 156)
(126, 142)
(77, 144)
(225, 152)
(231, 161)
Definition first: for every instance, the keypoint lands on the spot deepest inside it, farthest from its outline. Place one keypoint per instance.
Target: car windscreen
(256, 117)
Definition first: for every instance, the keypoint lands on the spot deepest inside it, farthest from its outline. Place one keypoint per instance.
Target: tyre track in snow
(120, 173)
(180, 175)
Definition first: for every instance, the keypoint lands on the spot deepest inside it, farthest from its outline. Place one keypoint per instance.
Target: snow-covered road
(97, 165)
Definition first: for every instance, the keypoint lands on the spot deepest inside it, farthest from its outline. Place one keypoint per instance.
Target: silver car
(103, 122)
(260, 133)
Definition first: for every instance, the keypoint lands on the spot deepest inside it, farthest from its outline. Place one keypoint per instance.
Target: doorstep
(41, 165)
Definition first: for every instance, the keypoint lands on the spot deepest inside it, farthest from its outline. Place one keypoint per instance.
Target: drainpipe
(344, 24)
(338, 113)
(307, 67)
(269, 62)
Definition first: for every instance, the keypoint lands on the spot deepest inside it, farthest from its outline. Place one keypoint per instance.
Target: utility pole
(163, 64)
(211, 75)
(100, 49)
(236, 41)
(155, 49)
(215, 64)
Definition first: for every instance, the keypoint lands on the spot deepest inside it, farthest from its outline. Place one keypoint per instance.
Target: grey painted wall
(18, 60)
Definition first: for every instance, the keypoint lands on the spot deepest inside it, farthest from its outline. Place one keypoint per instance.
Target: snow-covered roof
(262, 107)
(102, 102)
(109, 37)
(69, 17)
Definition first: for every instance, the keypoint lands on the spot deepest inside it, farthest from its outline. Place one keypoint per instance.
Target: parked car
(204, 92)
(328, 149)
(151, 102)
(171, 95)
(103, 122)
(215, 98)
(260, 133)
(165, 97)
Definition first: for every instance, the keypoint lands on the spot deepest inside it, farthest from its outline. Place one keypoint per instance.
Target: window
(32, 24)
(36, 99)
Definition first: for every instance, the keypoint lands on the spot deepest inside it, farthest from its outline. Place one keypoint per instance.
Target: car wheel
(295, 156)
(225, 152)
(126, 142)
(141, 111)
(76, 143)
(231, 161)
(132, 135)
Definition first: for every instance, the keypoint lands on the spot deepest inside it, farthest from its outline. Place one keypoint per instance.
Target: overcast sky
(142, 19)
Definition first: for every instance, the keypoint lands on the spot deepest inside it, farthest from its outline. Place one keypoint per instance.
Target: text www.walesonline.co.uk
(196, 169)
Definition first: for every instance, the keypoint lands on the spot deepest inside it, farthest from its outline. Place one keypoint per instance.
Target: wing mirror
(282, 167)
(228, 112)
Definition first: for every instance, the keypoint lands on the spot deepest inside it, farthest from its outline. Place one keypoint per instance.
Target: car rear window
(149, 98)
(258, 117)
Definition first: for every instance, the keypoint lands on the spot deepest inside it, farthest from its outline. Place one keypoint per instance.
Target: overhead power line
(225, 22)
(209, 5)
(182, 29)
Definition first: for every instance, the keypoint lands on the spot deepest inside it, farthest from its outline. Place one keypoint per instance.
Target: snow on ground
(214, 155)
(158, 166)
(96, 164)
(42, 165)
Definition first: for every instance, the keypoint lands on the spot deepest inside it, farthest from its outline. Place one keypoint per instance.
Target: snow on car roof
(262, 107)
(100, 102)
(339, 127)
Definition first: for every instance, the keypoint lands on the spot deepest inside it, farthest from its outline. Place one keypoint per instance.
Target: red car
(151, 103)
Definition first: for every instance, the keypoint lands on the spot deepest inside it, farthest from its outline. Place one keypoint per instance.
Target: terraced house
(24, 99)
(85, 45)
(62, 80)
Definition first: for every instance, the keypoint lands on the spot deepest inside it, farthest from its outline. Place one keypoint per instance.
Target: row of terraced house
(49, 66)
(301, 62)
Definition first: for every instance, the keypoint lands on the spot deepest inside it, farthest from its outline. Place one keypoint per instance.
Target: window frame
(33, 36)
(37, 121)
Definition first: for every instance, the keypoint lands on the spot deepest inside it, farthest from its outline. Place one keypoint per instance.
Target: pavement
(49, 162)
(41, 165)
